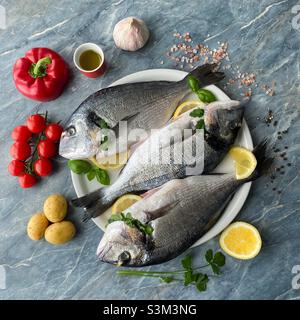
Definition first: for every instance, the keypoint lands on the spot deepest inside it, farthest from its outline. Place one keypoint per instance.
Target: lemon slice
(125, 202)
(241, 240)
(245, 162)
(186, 106)
(111, 163)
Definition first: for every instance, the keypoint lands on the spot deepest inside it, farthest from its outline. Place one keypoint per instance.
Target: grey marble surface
(261, 40)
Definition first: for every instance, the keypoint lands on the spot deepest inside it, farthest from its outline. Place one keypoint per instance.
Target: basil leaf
(187, 263)
(219, 259)
(91, 174)
(200, 124)
(193, 83)
(206, 96)
(102, 176)
(197, 113)
(209, 255)
(79, 166)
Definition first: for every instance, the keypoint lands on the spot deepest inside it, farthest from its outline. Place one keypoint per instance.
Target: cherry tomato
(16, 168)
(21, 133)
(36, 123)
(20, 150)
(46, 149)
(27, 180)
(54, 131)
(43, 167)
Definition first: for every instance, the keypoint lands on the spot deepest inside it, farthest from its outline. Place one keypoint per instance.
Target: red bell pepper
(41, 75)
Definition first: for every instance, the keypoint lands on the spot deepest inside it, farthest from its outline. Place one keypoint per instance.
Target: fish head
(122, 245)
(80, 138)
(223, 120)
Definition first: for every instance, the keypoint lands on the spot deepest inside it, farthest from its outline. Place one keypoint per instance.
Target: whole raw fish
(145, 105)
(180, 212)
(177, 155)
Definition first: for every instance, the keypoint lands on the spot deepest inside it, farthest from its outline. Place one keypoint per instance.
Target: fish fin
(155, 214)
(127, 118)
(87, 200)
(206, 74)
(130, 117)
(93, 203)
(264, 161)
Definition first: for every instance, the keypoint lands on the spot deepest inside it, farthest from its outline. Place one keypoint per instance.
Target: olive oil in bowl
(90, 60)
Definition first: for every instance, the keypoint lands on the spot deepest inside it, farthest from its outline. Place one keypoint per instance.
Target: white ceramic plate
(83, 186)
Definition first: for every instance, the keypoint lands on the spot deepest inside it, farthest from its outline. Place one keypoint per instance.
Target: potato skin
(60, 232)
(55, 207)
(36, 226)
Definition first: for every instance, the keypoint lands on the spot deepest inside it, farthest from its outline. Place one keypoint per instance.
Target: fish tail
(206, 74)
(94, 203)
(264, 161)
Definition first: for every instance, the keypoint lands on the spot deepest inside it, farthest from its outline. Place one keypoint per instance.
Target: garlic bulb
(130, 34)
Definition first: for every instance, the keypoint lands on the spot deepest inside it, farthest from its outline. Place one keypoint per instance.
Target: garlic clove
(131, 34)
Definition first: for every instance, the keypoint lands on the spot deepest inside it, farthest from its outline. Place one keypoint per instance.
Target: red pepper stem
(39, 68)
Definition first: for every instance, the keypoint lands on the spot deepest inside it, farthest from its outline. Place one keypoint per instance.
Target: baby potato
(55, 207)
(60, 232)
(36, 226)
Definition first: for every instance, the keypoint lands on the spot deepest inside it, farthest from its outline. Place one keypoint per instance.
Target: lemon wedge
(111, 163)
(186, 106)
(245, 162)
(125, 202)
(241, 240)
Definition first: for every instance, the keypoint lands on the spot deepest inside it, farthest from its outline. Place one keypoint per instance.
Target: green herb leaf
(200, 124)
(187, 263)
(79, 166)
(219, 259)
(103, 124)
(206, 96)
(167, 279)
(104, 143)
(91, 174)
(115, 217)
(188, 278)
(215, 268)
(201, 284)
(131, 222)
(193, 83)
(209, 255)
(197, 113)
(102, 176)
(148, 229)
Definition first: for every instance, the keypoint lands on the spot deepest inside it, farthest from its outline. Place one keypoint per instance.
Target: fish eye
(71, 131)
(124, 258)
(233, 125)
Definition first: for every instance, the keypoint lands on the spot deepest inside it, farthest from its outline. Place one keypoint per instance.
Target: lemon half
(241, 240)
(245, 162)
(186, 106)
(125, 202)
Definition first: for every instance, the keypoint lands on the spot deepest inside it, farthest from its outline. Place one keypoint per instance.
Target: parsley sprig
(189, 275)
(146, 229)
